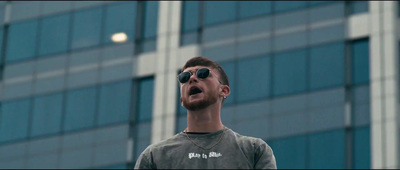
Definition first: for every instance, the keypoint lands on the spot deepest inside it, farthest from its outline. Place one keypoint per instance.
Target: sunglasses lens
(184, 77)
(203, 73)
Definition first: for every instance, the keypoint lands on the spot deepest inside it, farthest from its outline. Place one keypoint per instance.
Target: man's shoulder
(255, 141)
(146, 158)
(166, 143)
(246, 138)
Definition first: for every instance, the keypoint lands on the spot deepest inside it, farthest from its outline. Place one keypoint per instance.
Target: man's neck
(205, 120)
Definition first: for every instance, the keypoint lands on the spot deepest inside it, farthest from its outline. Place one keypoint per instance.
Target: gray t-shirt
(234, 151)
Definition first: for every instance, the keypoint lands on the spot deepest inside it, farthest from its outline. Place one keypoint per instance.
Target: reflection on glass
(120, 18)
(119, 37)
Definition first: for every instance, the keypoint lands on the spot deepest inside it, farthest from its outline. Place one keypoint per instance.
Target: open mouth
(194, 90)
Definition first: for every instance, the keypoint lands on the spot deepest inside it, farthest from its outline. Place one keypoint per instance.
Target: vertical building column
(384, 83)
(164, 105)
(390, 83)
(174, 25)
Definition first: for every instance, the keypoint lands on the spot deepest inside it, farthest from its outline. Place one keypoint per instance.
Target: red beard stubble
(198, 105)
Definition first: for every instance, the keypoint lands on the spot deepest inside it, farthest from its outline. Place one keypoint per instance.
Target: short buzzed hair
(204, 61)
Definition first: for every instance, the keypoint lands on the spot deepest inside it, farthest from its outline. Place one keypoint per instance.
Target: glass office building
(90, 84)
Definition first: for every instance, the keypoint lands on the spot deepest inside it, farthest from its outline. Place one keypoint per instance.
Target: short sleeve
(264, 157)
(145, 160)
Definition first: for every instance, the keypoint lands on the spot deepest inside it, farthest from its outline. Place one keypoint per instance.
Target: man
(206, 143)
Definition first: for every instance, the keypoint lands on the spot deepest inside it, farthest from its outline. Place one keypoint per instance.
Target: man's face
(199, 93)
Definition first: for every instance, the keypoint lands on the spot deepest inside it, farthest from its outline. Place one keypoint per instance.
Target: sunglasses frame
(209, 71)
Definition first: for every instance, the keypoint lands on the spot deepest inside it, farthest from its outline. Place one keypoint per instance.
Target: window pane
(150, 19)
(142, 137)
(362, 148)
(1, 45)
(189, 38)
(229, 68)
(14, 120)
(289, 5)
(327, 150)
(22, 41)
(360, 61)
(80, 109)
(181, 123)
(254, 8)
(290, 20)
(253, 79)
(289, 72)
(141, 145)
(47, 111)
(358, 6)
(217, 33)
(361, 97)
(54, 35)
(120, 18)
(114, 103)
(290, 152)
(148, 45)
(327, 66)
(314, 3)
(190, 15)
(145, 101)
(86, 28)
(219, 11)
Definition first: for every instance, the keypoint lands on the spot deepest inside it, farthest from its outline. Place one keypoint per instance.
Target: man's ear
(181, 101)
(225, 90)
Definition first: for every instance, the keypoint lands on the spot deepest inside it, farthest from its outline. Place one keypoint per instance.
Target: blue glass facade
(80, 109)
(24, 32)
(15, 115)
(82, 29)
(54, 35)
(120, 18)
(115, 102)
(290, 80)
(80, 100)
(47, 115)
(144, 115)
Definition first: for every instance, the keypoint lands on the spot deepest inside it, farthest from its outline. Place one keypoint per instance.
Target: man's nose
(193, 78)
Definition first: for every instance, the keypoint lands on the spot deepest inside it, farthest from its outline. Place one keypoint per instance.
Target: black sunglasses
(201, 73)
